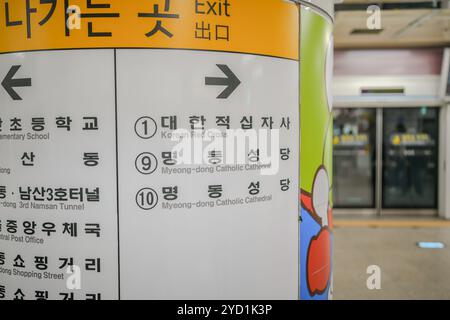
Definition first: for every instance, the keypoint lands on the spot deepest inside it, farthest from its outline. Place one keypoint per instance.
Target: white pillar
(444, 163)
(444, 137)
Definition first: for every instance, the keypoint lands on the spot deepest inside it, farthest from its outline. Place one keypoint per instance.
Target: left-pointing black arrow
(9, 83)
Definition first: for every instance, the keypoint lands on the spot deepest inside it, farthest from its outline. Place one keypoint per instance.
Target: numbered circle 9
(145, 127)
(146, 198)
(146, 163)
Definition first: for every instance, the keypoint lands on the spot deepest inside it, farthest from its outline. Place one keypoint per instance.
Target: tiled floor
(407, 272)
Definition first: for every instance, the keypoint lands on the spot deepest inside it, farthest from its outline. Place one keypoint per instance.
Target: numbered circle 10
(146, 199)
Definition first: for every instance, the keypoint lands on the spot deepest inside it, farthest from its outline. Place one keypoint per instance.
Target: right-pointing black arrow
(231, 81)
(9, 83)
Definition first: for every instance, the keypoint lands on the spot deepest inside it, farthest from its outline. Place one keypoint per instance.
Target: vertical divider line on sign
(117, 171)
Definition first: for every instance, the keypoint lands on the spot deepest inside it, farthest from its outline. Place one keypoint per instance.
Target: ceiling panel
(400, 28)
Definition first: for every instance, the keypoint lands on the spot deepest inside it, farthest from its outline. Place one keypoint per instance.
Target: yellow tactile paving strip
(418, 223)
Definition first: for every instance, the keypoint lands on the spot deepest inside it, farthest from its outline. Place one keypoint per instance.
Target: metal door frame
(379, 210)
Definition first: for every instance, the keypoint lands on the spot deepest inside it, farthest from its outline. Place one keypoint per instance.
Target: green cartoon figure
(316, 156)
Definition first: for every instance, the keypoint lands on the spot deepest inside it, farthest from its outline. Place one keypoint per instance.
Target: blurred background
(391, 151)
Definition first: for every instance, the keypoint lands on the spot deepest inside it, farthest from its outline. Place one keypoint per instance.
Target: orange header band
(263, 27)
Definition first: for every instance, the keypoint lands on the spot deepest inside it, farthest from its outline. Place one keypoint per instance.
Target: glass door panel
(410, 157)
(354, 158)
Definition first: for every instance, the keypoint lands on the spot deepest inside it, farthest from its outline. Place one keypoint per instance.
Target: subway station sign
(121, 172)
(263, 27)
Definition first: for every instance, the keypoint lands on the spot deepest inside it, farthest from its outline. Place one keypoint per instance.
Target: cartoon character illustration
(316, 157)
(316, 232)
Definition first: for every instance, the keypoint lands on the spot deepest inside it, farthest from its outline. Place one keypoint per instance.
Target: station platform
(407, 271)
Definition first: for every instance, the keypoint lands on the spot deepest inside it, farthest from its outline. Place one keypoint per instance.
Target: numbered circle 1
(145, 127)
(147, 198)
(146, 163)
